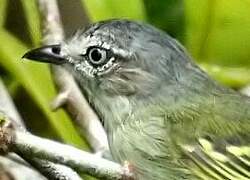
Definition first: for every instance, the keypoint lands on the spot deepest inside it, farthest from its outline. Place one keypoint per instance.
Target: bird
(162, 113)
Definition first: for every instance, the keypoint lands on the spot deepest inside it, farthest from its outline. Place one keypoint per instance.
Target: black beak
(47, 54)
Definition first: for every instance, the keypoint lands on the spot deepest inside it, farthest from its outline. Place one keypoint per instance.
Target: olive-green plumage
(162, 114)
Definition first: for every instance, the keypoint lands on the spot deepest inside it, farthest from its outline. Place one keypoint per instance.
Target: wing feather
(232, 164)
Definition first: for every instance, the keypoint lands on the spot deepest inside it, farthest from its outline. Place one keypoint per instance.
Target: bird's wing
(215, 136)
(210, 163)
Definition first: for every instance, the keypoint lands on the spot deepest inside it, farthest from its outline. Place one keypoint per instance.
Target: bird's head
(118, 57)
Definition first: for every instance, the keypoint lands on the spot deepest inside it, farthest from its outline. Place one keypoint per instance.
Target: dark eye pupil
(96, 55)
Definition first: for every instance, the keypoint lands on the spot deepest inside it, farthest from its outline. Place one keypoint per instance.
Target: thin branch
(51, 23)
(51, 170)
(48, 169)
(14, 169)
(69, 92)
(27, 144)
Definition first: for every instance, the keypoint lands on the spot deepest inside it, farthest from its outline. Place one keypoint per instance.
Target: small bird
(163, 115)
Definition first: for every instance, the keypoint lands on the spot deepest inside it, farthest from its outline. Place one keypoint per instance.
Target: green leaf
(107, 9)
(218, 31)
(36, 79)
(32, 17)
(167, 15)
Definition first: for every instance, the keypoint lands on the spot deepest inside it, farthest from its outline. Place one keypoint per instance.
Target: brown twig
(69, 93)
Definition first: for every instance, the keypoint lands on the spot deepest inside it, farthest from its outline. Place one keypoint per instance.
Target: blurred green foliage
(167, 15)
(216, 32)
(105, 9)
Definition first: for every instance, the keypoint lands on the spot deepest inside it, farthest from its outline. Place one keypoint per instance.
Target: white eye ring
(97, 56)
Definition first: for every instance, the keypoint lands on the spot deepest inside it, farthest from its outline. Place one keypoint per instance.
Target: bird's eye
(97, 56)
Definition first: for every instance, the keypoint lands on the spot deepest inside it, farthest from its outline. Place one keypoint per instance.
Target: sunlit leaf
(218, 31)
(218, 34)
(167, 15)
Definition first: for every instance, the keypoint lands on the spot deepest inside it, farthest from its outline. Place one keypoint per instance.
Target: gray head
(119, 57)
